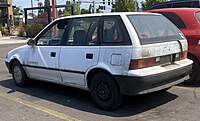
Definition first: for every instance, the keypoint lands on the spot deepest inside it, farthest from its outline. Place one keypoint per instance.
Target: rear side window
(198, 16)
(195, 4)
(154, 29)
(111, 31)
(162, 6)
(159, 6)
(114, 31)
(182, 4)
(174, 18)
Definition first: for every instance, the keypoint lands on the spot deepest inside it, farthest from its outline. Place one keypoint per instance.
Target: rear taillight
(182, 55)
(141, 63)
(148, 62)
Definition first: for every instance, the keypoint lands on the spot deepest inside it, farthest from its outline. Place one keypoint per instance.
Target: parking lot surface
(42, 101)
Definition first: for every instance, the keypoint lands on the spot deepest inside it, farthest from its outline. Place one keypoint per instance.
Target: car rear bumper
(130, 85)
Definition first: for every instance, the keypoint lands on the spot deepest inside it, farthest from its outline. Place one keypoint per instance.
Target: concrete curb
(13, 37)
(20, 38)
(12, 40)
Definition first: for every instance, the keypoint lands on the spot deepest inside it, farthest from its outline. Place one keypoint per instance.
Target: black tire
(105, 92)
(195, 73)
(19, 75)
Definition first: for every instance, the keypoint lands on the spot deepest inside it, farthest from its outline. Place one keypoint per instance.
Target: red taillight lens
(141, 63)
(148, 62)
(183, 55)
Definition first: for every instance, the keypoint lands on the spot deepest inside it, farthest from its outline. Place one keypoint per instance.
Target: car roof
(171, 2)
(108, 14)
(175, 1)
(193, 10)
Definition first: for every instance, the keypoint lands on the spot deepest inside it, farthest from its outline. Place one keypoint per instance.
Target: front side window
(53, 34)
(154, 29)
(84, 31)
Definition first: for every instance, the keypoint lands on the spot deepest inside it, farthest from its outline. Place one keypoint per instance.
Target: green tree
(67, 10)
(60, 13)
(84, 11)
(149, 3)
(125, 6)
(46, 5)
(98, 10)
(17, 11)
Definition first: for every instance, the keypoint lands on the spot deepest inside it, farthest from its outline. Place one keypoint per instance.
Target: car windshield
(154, 29)
(198, 16)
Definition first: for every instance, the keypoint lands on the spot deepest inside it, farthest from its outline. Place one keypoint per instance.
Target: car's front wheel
(105, 92)
(19, 75)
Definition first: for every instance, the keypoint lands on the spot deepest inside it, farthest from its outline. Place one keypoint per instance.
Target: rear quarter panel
(192, 26)
(115, 59)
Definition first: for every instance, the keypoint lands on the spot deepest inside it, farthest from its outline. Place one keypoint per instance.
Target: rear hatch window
(154, 29)
(198, 16)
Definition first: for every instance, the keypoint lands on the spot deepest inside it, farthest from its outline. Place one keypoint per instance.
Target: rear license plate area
(165, 60)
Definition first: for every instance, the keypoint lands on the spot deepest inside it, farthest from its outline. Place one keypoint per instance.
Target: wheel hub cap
(17, 73)
(104, 91)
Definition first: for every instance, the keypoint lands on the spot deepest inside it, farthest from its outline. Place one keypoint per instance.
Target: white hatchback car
(109, 55)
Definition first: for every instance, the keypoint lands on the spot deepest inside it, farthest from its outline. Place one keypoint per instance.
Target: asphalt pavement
(42, 101)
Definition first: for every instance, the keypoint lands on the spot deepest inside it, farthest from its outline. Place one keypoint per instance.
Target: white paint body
(114, 59)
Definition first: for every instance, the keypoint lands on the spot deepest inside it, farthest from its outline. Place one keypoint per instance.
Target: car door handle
(89, 56)
(53, 54)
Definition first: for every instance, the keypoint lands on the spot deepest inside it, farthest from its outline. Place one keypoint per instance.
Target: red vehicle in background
(188, 21)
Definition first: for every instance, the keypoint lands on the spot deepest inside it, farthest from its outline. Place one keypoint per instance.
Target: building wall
(10, 10)
(5, 11)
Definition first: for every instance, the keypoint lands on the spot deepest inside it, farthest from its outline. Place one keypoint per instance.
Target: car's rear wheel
(105, 92)
(195, 72)
(19, 75)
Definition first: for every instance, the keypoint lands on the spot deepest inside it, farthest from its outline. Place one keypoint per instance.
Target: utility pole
(32, 6)
(94, 8)
(53, 9)
(54, 13)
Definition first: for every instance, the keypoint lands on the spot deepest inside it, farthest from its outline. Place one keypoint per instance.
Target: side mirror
(31, 42)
